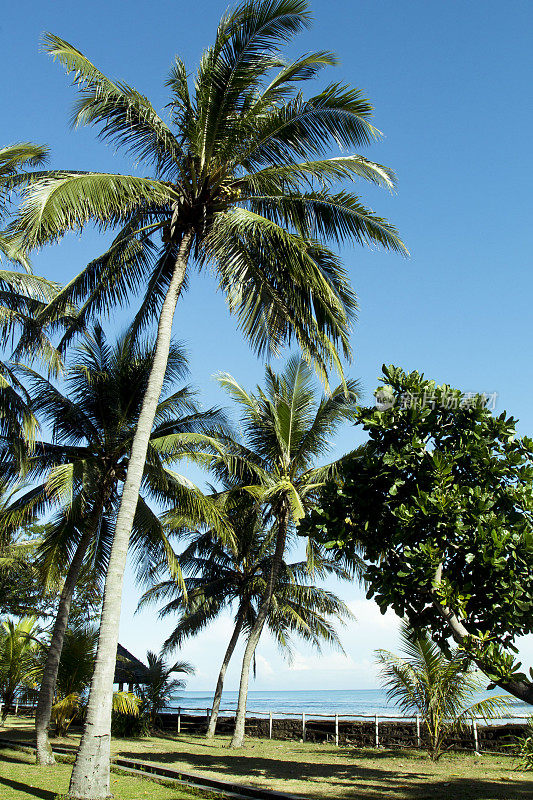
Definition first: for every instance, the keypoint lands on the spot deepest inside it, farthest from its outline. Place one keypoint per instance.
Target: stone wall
(360, 733)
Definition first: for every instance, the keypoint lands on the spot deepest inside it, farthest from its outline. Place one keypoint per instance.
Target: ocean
(319, 701)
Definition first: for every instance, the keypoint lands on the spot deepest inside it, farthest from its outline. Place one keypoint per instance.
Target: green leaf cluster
(439, 501)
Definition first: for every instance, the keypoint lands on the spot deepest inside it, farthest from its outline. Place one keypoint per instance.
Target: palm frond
(68, 201)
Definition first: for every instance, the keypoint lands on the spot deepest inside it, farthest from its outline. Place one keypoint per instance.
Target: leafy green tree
(18, 646)
(439, 687)
(439, 502)
(158, 689)
(287, 427)
(235, 574)
(241, 181)
(80, 472)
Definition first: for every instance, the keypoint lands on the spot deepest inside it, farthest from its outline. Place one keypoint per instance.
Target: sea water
(319, 701)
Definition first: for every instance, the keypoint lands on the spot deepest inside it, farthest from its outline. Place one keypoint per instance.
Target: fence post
(179, 719)
(270, 724)
(17, 708)
(208, 715)
(418, 737)
(337, 729)
(377, 731)
(303, 726)
(476, 740)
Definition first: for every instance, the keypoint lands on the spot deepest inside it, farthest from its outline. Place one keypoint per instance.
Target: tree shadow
(344, 780)
(31, 791)
(24, 788)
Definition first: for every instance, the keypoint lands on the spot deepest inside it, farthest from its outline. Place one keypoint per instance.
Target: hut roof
(128, 668)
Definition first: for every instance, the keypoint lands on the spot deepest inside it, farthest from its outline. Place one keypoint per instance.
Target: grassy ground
(324, 772)
(22, 779)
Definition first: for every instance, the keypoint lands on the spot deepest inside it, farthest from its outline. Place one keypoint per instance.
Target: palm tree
(235, 573)
(241, 181)
(82, 468)
(18, 646)
(158, 688)
(287, 427)
(437, 686)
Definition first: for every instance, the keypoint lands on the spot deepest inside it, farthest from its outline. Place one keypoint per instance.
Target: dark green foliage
(439, 503)
(130, 726)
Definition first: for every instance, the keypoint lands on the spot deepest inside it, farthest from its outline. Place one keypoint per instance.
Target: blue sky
(450, 82)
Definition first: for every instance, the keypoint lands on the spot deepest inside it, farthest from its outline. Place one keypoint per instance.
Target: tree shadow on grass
(344, 781)
(31, 791)
(10, 757)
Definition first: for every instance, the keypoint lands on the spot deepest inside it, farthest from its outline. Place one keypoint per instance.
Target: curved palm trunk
(44, 753)
(90, 776)
(222, 674)
(43, 711)
(253, 640)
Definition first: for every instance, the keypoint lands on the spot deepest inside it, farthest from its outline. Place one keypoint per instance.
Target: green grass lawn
(324, 772)
(22, 779)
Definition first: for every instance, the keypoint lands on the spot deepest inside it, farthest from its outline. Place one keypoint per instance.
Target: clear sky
(451, 86)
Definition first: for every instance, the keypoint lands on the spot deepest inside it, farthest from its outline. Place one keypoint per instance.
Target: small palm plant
(159, 689)
(18, 646)
(525, 747)
(437, 686)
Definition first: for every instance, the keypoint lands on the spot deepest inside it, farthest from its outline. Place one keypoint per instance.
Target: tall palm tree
(18, 649)
(234, 574)
(82, 469)
(287, 428)
(439, 687)
(241, 181)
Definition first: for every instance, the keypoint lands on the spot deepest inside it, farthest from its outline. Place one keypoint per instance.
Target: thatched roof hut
(128, 669)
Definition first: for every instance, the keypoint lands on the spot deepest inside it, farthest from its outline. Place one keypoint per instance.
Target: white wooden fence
(310, 717)
(307, 717)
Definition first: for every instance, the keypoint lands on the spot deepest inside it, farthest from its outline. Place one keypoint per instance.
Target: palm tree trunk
(255, 635)
(7, 702)
(43, 711)
(222, 674)
(90, 776)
